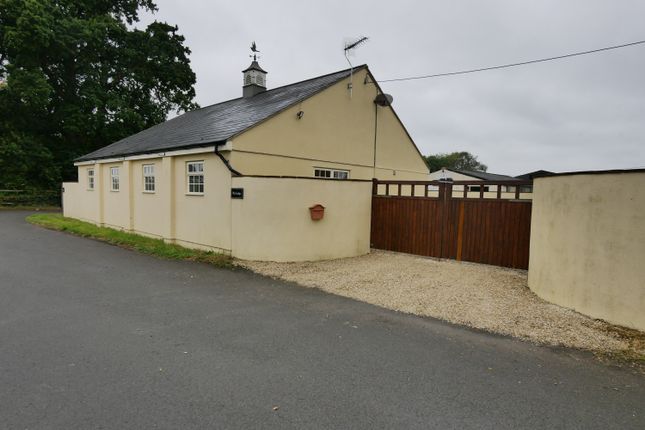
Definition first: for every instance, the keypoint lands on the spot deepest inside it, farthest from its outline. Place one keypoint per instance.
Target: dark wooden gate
(480, 221)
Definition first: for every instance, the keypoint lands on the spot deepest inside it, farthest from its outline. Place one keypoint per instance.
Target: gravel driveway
(486, 297)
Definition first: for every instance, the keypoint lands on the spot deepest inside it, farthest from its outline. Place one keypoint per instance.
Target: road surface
(94, 336)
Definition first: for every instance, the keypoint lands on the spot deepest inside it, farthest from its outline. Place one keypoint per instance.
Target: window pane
(196, 183)
(339, 174)
(322, 173)
(114, 172)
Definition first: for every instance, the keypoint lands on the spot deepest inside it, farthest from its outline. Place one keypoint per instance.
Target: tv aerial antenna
(350, 45)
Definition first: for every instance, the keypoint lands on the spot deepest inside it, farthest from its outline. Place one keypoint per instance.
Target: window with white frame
(114, 176)
(195, 177)
(320, 172)
(90, 179)
(148, 178)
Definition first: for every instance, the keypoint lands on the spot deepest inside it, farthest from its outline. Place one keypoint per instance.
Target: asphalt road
(94, 336)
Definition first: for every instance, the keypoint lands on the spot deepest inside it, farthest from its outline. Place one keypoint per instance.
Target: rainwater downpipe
(226, 162)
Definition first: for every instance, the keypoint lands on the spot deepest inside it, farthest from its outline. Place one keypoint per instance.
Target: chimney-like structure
(254, 80)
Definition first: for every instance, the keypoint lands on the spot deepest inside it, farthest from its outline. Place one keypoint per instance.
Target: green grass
(143, 244)
(44, 208)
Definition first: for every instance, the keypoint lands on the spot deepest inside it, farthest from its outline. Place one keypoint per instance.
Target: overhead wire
(522, 63)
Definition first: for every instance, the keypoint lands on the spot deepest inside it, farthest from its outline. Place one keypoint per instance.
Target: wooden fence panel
(419, 234)
(483, 230)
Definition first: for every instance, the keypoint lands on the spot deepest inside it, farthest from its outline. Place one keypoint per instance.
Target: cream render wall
(169, 213)
(259, 164)
(273, 222)
(206, 219)
(79, 200)
(588, 244)
(116, 203)
(335, 131)
(149, 211)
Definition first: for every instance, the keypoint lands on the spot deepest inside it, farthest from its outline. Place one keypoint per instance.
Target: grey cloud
(577, 114)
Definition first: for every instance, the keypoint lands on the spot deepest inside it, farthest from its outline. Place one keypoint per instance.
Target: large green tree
(76, 75)
(455, 160)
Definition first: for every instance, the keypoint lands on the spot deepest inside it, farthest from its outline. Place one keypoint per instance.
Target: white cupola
(254, 77)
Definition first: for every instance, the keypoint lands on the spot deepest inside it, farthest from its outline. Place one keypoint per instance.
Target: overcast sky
(584, 113)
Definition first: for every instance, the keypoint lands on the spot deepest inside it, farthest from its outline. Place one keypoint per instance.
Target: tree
(455, 160)
(75, 75)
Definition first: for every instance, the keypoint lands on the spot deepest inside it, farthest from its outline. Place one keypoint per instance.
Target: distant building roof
(536, 174)
(219, 122)
(485, 175)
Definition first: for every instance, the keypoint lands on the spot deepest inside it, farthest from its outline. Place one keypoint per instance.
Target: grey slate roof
(536, 174)
(485, 176)
(218, 122)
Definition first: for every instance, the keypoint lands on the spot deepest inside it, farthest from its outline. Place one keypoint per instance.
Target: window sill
(149, 192)
(114, 191)
(195, 194)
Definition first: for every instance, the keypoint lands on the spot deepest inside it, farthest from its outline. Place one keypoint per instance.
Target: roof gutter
(147, 155)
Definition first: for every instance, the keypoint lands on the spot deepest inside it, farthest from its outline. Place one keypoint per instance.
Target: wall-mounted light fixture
(300, 114)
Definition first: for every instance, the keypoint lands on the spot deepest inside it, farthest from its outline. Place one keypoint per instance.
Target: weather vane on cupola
(254, 75)
(255, 51)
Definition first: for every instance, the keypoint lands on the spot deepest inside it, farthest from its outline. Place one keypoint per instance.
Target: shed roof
(485, 175)
(535, 174)
(219, 122)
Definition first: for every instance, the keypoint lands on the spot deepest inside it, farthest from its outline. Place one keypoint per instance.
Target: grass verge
(143, 244)
(31, 208)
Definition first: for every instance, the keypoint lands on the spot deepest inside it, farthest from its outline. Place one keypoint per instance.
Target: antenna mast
(347, 50)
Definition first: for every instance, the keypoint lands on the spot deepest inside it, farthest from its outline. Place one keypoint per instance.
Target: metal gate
(480, 221)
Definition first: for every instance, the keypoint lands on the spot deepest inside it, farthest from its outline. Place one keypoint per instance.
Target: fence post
(374, 186)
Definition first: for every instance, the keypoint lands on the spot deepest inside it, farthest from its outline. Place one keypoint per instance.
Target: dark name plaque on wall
(237, 193)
